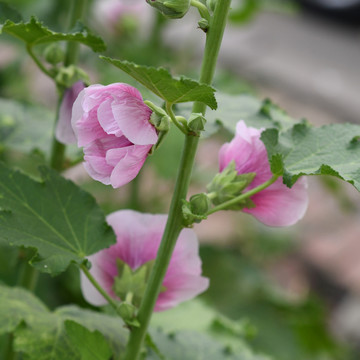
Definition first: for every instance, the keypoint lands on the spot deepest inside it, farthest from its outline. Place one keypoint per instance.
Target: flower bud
(228, 184)
(54, 54)
(196, 122)
(195, 210)
(173, 9)
(67, 76)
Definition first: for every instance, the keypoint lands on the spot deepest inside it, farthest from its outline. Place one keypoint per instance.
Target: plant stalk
(174, 223)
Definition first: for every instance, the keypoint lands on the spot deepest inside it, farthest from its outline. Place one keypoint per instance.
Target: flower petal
(280, 206)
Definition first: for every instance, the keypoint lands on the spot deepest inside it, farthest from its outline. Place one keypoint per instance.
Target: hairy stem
(97, 286)
(174, 223)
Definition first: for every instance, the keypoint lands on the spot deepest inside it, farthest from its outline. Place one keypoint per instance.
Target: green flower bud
(67, 76)
(54, 54)
(203, 25)
(196, 122)
(127, 312)
(228, 184)
(195, 210)
(173, 9)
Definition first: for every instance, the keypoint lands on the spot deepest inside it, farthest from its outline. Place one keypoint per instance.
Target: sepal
(195, 210)
(228, 185)
(173, 9)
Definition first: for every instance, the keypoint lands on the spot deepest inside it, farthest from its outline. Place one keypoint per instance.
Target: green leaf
(8, 13)
(43, 335)
(161, 83)
(91, 345)
(327, 150)
(56, 217)
(192, 345)
(197, 318)
(25, 127)
(18, 305)
(34, 32)
(232, 108)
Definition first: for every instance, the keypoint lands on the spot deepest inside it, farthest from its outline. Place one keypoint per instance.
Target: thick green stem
(228, 204)
(174, 223)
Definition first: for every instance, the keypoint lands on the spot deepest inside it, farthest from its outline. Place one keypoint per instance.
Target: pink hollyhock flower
(276, 205)
(64, 132)
(112, 124)
(138, 239)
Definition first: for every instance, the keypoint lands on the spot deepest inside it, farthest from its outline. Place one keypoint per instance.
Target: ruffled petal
(280, 206)
(129, 166)
(133, 116)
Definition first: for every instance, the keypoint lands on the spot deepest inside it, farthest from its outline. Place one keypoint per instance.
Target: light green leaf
(327, 150)
(17, 305)
(34, 32)
(161, 83)
(43, 335)
(91, 345)
(56, 217)
(233, 108)
(205, 324)
(192, 345)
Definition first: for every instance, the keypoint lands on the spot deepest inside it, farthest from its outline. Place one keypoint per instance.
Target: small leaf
(56, 217)
(161, 83)
(91, 345)
(326, 150)
(34, 32)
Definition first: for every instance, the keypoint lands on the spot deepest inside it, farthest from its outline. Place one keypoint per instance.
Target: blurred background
(298, 287)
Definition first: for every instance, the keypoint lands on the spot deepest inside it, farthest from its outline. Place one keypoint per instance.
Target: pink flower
(276, 205)
(112, 124)
(64, 132)
(138, 239)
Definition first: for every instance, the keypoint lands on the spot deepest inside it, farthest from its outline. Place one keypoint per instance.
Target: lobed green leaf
(61, 221)
(161, 83)
(34, 32)
(304, 150)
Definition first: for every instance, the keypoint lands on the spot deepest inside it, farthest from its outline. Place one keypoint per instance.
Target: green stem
(72, 48)
(9, 353)
(72, 52)
(242, 197)
(174, 120)
(38, 62)
(174, 223)
(108, 298)
(203, 10)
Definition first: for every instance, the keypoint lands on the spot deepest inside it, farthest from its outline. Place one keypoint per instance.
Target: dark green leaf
(326, 150)
(34, 32)
(55, 217)
(91, 345)
(8, 13)
(161, 83)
